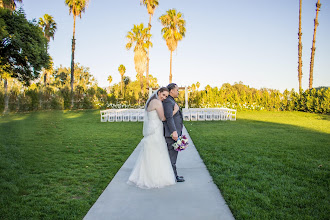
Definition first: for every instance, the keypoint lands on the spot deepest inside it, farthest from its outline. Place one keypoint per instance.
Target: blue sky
(255, 42)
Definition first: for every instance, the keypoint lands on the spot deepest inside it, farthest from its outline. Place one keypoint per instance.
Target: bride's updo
(162, 89)
(154, 96)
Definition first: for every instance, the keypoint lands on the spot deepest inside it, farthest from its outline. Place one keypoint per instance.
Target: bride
(153, 167)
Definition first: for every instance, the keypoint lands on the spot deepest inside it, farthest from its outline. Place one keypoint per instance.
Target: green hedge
(237, 96)
(242, 97)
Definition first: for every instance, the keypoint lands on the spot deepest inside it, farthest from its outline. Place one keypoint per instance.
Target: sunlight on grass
(73, 115)
(19, 118)
(12, 117)
(316, 122)
(268, 165)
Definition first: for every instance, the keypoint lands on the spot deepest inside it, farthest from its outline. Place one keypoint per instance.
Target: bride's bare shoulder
(154, 104)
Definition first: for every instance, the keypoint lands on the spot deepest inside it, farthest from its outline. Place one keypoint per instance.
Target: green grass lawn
(54, 165)
(269, 165)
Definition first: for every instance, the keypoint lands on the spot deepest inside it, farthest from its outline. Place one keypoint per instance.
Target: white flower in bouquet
(181, 143)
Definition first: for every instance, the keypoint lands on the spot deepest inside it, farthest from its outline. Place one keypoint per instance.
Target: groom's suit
(172, 123)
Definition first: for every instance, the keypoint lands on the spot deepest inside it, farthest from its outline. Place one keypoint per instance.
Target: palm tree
(151, 6)
(76, 7)
(48, 26)
(140, 37)
(316, 23)
(299, 48)
(9, 4)
(122, 70)
(173, 31)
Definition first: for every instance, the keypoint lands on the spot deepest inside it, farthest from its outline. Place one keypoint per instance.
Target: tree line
(127, 94)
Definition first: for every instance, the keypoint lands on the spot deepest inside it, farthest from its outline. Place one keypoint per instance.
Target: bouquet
(181, 143)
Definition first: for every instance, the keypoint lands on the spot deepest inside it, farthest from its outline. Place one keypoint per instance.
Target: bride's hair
(154, 96)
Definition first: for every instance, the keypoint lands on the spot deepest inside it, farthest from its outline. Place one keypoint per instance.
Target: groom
(172, 126)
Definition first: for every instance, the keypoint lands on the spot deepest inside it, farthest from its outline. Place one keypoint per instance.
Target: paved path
(196, 198)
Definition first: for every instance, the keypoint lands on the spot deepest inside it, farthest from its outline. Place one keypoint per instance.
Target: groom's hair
(171, 86)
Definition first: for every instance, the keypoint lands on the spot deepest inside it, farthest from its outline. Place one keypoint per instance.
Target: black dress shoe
(179, 179)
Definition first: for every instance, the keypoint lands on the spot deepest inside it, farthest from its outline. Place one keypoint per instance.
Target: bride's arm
(176, 109)
(160, 110)
(158, 105)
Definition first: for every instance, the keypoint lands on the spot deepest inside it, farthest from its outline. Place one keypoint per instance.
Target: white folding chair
(223, 113)
(112, 115)
(141, 115)
(193, 114)
(186, 114)
(201, 114)
(208, 114)
(126, 115)
(134, 115)
(119, 116)
(216, 114)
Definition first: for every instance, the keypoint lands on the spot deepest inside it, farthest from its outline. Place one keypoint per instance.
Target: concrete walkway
(196, 198)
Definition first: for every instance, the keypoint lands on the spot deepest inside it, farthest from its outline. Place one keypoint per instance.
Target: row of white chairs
(209, 114)
(117, 115)
(191, 114)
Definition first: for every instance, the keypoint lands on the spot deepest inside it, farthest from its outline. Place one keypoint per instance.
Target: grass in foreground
(269, 165)
(54, 165)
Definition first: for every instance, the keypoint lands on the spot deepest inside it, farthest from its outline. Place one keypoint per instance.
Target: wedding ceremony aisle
(196, 198)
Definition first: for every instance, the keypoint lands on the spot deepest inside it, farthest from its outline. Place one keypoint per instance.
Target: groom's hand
(174, 135)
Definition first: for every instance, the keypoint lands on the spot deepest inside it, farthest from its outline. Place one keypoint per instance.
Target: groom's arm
(168, 112)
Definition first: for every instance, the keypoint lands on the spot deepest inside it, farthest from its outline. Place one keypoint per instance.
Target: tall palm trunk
(45, 76)
(42, 88)
(316, 23)
(45, 79)
(171, 67)
(72, 58)
(299, 48)
(121, 84)
(40, 97)
(148, 55)
(141, 83)
(6, 97)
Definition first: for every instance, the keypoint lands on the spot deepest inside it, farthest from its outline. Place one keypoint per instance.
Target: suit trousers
(172, 153)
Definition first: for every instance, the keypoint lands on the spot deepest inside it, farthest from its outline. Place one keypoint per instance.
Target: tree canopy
(23, 47)
(140, 37)
(9, 4)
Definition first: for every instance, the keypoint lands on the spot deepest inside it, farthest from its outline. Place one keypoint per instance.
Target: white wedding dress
(153, 167)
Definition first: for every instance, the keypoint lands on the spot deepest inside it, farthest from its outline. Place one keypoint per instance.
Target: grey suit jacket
(173, 122)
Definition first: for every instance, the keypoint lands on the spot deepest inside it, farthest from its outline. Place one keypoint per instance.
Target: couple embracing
(163, 122)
